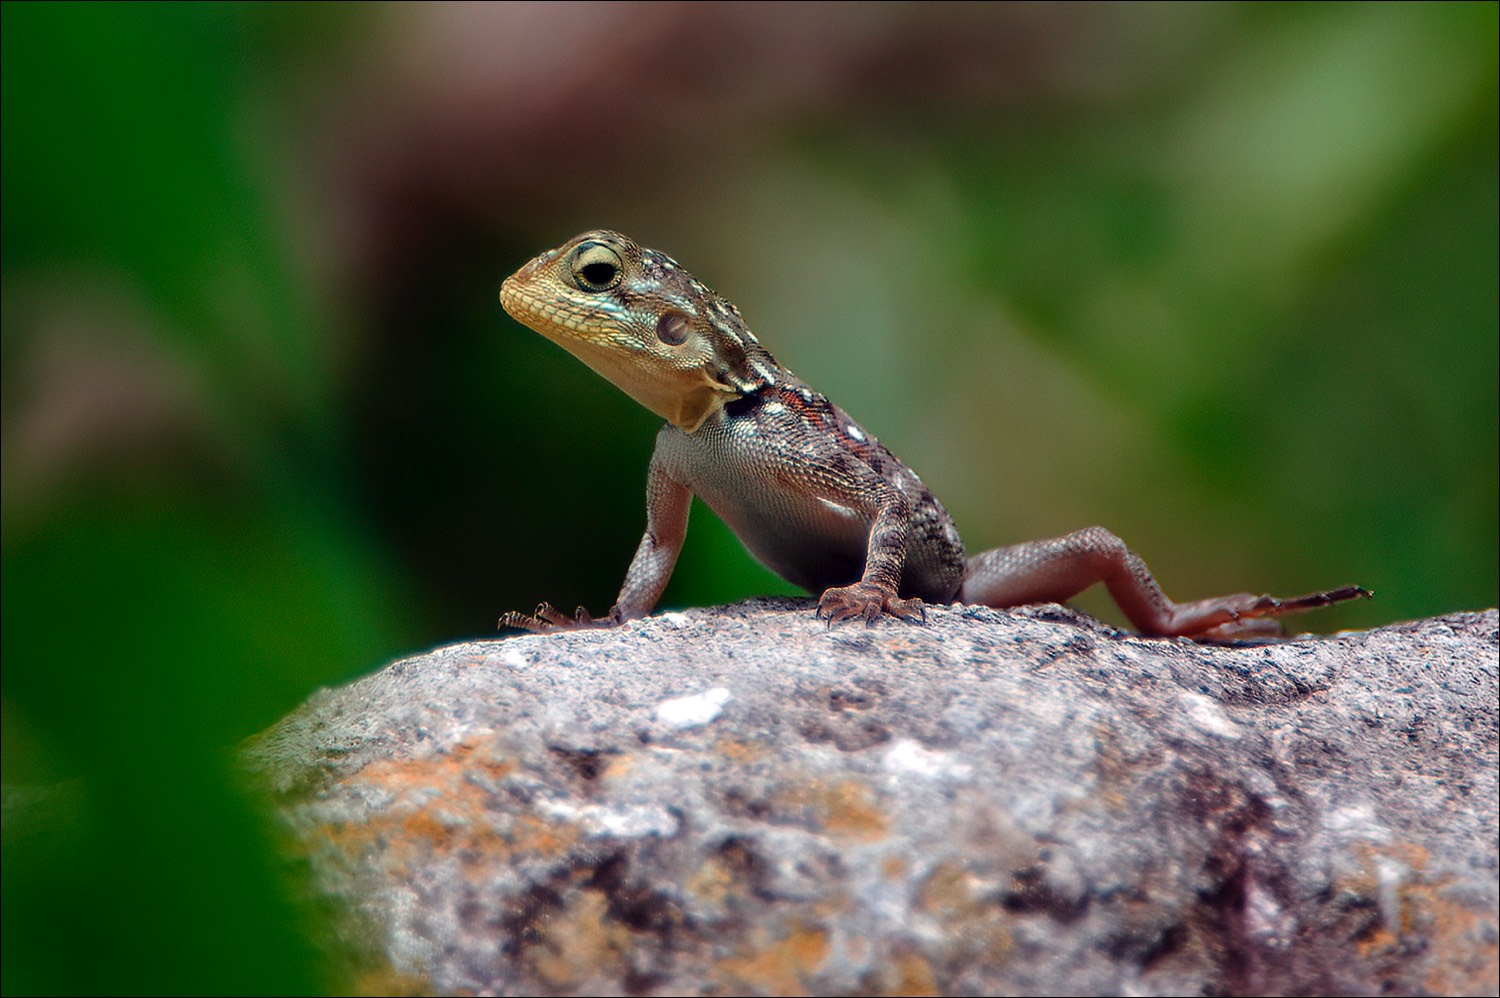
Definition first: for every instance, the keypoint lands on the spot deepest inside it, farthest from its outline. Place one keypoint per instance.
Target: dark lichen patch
(587, 764)
(850, 736)
(636, 906)
(841, 716)
(742, 859)
(591, 922)
(1031, 893)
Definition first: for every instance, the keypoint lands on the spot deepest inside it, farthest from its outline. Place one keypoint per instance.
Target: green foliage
(164, 604)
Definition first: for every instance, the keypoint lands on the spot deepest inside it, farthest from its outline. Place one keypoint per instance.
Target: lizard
(807, 490)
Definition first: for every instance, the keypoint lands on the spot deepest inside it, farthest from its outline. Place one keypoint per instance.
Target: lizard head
(640, 320)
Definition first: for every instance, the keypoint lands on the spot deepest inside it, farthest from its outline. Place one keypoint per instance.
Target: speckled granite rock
(740, 800)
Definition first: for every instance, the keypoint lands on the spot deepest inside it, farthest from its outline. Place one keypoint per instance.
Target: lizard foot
(868, 601)
(547, 619)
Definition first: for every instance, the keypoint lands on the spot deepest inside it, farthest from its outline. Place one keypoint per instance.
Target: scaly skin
(813, 495)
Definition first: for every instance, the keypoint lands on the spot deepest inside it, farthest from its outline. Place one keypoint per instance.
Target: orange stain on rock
(844, 808)
(779, 967)
(445, 803)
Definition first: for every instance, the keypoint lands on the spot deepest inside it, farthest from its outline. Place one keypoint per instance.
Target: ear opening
(695, 407)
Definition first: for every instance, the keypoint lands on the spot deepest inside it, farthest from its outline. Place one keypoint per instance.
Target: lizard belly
(809, 542)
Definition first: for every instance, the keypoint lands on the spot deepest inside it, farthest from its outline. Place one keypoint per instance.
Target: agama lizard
(812, 494)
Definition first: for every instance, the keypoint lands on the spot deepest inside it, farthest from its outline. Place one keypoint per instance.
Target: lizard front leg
(885, 558)
(667, 504)
(1058, 569)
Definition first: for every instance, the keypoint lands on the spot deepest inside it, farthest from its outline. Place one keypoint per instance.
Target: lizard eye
(673, 328)
(596, 267)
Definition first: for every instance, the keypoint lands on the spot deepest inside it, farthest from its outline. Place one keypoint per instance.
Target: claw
(1235, 618)
(1314, 600)
(546, 619)
(868, 601)
(1270, 606)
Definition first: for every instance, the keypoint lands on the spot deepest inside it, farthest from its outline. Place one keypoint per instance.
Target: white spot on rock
(1207, 715)
(1356, 821)
(512, 657)
(627, 822)
(1265, 918)
(907, 755)
(695, 710)
(674, 618)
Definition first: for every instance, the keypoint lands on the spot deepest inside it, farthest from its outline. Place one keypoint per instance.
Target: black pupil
(598, 274)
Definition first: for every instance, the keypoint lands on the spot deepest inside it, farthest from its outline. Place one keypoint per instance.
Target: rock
(742, 800)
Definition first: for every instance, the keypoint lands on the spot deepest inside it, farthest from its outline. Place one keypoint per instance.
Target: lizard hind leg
(1062, 567)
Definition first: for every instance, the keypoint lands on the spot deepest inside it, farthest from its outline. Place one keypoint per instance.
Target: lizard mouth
(682, 394)
(549, 316)
(511, 295)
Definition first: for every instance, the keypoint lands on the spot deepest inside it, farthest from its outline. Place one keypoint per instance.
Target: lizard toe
(547, 619)
(868, 602)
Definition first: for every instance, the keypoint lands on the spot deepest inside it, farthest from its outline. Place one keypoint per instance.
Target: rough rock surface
(740, 800)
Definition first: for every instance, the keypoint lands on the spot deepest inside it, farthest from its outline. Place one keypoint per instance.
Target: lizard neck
(736, 358)
(742, 372)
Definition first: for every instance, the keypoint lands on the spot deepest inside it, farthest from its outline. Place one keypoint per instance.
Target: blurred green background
(1221, 278)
